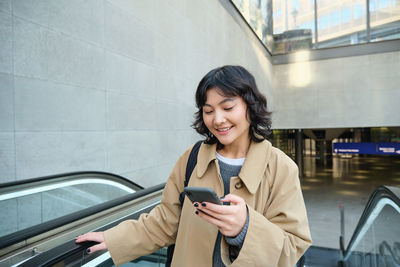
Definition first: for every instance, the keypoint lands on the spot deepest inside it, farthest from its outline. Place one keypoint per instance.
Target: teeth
(224, 129)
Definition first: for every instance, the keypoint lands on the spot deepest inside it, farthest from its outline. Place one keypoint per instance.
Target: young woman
(263, 221)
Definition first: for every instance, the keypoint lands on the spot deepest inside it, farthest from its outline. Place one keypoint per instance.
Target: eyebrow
(222, 102)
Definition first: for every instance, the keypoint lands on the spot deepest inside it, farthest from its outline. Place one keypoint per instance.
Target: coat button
(238, 185)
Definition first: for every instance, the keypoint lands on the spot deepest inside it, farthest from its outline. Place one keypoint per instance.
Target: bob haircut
(234, 81)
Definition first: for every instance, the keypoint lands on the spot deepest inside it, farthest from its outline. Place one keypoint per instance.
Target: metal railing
(376, 239)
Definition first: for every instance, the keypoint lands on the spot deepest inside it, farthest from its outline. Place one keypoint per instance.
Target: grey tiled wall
(358, 91)
(109, 85)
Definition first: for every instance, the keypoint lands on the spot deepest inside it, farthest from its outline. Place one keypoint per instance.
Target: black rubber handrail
(30, 232)
(381, 192)
(69, 248)
(69, 174)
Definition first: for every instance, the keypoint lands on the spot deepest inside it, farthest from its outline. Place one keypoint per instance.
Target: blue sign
(388, 148)
(354, 148)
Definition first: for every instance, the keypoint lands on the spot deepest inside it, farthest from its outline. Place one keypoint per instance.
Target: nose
(219, 118)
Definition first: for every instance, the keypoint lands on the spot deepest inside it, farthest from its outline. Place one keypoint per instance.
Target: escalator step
(320, 256)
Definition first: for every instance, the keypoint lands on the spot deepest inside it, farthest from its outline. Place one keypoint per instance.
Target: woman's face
(226, 118)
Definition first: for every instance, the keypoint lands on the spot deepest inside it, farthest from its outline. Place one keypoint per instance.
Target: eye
(207, 112)
(230, 108)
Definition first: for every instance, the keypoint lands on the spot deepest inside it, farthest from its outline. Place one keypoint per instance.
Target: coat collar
(253, 168)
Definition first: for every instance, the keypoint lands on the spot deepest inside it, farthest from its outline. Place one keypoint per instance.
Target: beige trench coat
(278, 232)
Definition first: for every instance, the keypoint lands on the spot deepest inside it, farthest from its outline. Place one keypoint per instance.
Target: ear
(248, 114)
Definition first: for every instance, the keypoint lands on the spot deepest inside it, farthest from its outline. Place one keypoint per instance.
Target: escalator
(375, 242)
(64, 251)
(40, 214)
(31, 202)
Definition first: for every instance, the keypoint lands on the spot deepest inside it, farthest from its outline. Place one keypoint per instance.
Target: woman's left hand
(229, 219)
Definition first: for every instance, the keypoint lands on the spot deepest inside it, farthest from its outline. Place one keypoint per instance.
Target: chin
(224, 142)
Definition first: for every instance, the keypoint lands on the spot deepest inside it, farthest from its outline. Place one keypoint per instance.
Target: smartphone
(202, 194)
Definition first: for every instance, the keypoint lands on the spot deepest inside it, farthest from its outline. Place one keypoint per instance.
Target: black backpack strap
(192, 161)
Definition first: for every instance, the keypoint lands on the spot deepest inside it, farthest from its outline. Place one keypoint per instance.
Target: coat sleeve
(134, 238)
(280, 234)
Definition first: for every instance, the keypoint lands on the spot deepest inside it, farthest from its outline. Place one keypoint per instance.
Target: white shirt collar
(236, 162)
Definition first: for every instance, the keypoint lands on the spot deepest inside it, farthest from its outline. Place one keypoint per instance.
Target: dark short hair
(234, 81)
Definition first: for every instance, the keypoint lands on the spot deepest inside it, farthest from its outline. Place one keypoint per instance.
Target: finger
(92, 236)
(210, 219)
(226, 217)
(83, 238)
(210, 213)
(215, 208)
(101, 246)
(233, 199)
(224, 227)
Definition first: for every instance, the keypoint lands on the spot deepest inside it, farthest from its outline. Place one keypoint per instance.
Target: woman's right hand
(93, 236)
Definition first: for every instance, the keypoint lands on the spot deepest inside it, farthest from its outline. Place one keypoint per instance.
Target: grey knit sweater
(228, 171)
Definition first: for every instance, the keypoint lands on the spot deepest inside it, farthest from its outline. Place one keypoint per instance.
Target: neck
(235, 151)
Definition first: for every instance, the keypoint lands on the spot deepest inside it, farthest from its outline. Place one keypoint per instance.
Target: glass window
(258, 14)
(287, 25)
(346, 15)
(278, 13)
(293, 28)
(323, 22)
(296, 5)
(384, 20)
(358, 11)
(307, 25)
(341, 23)
(335, 18)
(372, 6)
(384, 3)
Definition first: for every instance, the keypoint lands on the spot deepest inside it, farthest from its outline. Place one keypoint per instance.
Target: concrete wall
(358, 91)
(109, 85)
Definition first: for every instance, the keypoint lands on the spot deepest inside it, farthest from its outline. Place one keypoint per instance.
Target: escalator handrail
(382, 192)
(50, 178)
(30, 232)
(60, 252)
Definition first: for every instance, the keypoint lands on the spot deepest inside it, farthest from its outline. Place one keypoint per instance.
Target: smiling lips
(224, 130)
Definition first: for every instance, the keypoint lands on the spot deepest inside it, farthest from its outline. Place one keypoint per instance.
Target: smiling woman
(263, 221)
(226, 118)
(232, 85)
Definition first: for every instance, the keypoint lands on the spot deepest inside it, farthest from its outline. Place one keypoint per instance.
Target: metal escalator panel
(319, 256)
(376, 241)
(65, 252)
(27, 203)
(118, 197)
(156, 259)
